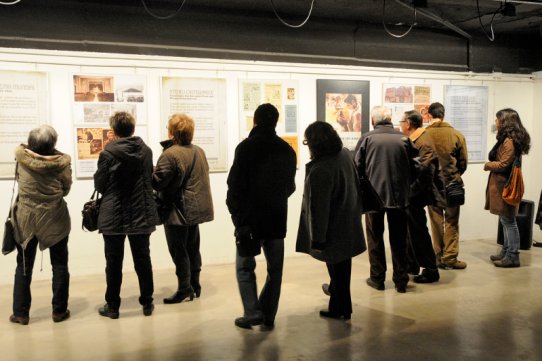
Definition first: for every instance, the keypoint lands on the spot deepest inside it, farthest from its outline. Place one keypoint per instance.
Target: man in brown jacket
(423, 191)
(453, 157)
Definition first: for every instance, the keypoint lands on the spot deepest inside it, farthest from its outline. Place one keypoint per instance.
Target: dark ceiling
(447, 33)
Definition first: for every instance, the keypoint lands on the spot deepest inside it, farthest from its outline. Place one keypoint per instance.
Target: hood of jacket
(129, 151)
(41, 163)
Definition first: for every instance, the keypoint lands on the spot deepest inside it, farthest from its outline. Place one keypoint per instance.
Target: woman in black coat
(124, 178)
(330, 224)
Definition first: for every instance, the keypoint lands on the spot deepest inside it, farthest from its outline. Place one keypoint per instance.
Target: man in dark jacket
(260, 181)
(424, 192)
(386, 158)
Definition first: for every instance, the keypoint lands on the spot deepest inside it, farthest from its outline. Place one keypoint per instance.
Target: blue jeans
(511, 237)
(267, 304)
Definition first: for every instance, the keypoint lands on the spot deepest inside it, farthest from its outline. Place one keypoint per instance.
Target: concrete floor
(481, 313)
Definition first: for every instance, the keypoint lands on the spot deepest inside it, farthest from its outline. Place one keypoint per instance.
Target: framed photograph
(345, 105)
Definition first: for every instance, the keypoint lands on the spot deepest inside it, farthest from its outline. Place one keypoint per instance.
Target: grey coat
(41, 211)
(331, 210)
(182, 174)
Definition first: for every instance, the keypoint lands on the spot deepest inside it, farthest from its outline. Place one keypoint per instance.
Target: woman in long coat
(512, 141)
(330, 223)
(42, 218)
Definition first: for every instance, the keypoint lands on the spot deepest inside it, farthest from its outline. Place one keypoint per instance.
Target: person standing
(330, 222)
(261, 179)
(424, 191)
(124, 178)
(386, 158)
(41, 218)
(453, 158)
(181, 176)
(513, 140)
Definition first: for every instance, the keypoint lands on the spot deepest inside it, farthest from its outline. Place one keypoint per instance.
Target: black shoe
(267, 325)
(22, 320)
(197, 291)
(337, 316)
(400, 288)
(376, 285)
(59, 317)
(427, 276)
(507, 263)
(325, 289)
(148, 308)
(245, 322)
(179, 297)
(107, 311)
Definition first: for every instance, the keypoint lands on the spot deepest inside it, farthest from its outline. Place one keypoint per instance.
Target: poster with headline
(400, 98)
(203, 99)
(24, 99)
(95, 99)
(283, 94)
(467, 110)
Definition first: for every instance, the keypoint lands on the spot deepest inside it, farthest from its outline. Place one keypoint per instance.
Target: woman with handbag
(513, 140)
(330, 222)
(41, 218)
(181, 177)
(127, 208)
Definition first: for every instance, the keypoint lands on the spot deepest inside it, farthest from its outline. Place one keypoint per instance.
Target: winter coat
(182, 175)
(261, 179)
(331, 210)
(41, 212)
(500, 167)
(428, 188)
(386, 157)
(451, 151)
(124, 178)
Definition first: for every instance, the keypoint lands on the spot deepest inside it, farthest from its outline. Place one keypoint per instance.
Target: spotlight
(508, 10)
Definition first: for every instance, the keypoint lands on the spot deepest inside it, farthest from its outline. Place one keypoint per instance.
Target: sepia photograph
(93, 88)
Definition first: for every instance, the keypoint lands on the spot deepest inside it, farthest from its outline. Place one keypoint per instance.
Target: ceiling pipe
(436, 18)
(533, 2)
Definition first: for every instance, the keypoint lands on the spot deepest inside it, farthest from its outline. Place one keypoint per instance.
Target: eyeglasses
(305, 142)
(402, 121)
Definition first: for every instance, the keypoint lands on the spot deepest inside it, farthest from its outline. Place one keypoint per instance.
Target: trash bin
(524, 219)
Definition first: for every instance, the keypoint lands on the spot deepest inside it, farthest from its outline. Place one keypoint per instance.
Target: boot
(179, 296)
(509, 261)
(194, 282)
(499, 256)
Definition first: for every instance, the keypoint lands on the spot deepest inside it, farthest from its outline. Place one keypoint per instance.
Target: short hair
(436, 110)
(322, 139)
(415, 118)
(266, 115)
(350, 98)
(123, 124)
(42, 140)
(381, 114)
(181, 127)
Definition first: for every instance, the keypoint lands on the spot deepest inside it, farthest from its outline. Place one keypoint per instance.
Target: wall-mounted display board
(96, 98)
(404, 97)
(24, 99)
(283, 94)
(345, 105)
(205, 101)
(466, 109)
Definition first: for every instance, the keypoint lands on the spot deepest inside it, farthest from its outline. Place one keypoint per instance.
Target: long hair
(511, 127)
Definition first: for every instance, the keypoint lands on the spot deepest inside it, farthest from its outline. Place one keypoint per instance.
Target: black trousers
(114, 256)
(183, 243)
(420, 246)
(22, 297)
(340, 301)
(397, 229)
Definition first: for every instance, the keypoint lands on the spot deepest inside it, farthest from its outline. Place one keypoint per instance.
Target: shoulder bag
(8, 242)
(455, 194)
(90, 212)
(514, 187)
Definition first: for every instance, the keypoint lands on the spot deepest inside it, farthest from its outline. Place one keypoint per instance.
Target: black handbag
(9, 241)
(247, 245)
(90, 212)
(455, 194)
(370, 200)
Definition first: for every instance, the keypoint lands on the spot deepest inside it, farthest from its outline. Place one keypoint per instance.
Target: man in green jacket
(451, 150)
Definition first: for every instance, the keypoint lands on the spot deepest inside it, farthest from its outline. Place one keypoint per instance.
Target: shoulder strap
(13, 189)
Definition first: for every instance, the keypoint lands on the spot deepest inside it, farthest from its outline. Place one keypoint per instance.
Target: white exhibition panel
(217, 242)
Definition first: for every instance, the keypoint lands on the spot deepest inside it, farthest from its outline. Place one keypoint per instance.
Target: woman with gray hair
(41, 218)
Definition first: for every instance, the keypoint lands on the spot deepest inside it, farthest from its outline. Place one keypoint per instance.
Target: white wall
(86, 249)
